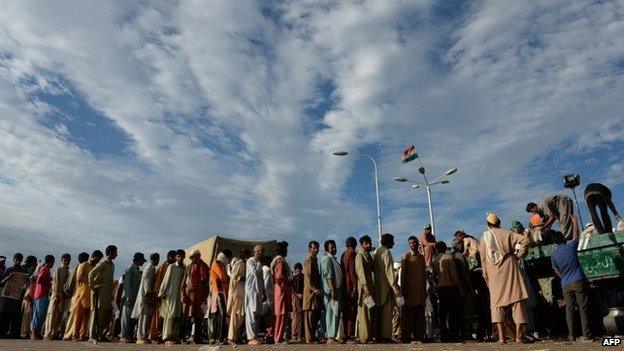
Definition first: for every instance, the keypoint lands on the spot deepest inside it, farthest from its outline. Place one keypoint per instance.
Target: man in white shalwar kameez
(170, 293)
(144, 305)
(254, 294)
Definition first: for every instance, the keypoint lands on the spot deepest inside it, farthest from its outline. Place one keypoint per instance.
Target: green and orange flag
(409, 154)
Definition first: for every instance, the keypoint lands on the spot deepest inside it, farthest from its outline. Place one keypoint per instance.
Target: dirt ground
(27, 345)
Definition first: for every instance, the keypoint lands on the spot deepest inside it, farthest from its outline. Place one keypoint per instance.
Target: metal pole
(430, 209)
(377, 196)
(578, 209)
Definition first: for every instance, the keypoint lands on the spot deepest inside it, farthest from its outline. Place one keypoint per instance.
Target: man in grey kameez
(144, 306)
(254, 294)
(556, 207)
(131, 279)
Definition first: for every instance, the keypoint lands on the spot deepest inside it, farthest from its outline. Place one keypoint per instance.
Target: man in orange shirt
(219, 284)
(195, 292)
(427, 244)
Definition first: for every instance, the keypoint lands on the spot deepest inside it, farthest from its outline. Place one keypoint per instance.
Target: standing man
(386, 288)
(500, 250)
(10, 309)
(27, 303)
(282, 292)
(196, 292)
(58, 304)
(573, 282)
(297, 299)
(312, 296)
(41, 298)
(350, 298)
(331, 273)
(131, 282)
(81, 301)
(427, 243)
(144, 305)
(254, 294)
(236, 297)
(219, 284)
(364, 267)
(170, 293)
(598, 195)
(70, 289)
(157, 320)
(101, 284)
(448, 290)
(556, 207)
(413, 285)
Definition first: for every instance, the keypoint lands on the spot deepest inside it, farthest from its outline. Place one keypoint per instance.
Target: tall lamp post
(345, 153)
(428, 186)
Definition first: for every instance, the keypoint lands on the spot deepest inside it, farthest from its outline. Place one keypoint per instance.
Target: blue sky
(154, 126)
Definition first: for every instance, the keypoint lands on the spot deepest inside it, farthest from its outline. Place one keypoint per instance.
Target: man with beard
(312, 296)
(254, 294)
(413, 285)
(364, 267)
(350, 298)
(331, 274)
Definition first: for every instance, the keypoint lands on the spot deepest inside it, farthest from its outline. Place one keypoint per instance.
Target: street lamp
(345, 153)
(428, 185)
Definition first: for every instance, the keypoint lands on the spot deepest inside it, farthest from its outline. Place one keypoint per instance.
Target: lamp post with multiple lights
(345, 153)
(428, 186)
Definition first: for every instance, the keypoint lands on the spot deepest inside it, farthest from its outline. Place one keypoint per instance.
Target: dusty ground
(27, 345)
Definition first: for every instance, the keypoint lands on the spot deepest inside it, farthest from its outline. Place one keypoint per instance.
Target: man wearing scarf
(500, 250)
(282, 294)
(219, 284)
(196, 292)
(332, 290)
(364, 267)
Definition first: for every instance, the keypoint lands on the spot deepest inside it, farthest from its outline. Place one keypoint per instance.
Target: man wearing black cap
(132, 281)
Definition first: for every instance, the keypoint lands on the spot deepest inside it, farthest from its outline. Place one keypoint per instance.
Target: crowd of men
(360, 296)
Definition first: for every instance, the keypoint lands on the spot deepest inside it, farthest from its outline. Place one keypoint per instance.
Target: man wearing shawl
(350, 298)
(170, 293)
(219, 285)
(157, 320)
(364, 266)
(196, 292)
(254, 294)
(500, 250)
(59, 301)
(331, 274)
(282, 295)
(413, 285)
(236, 297)
(312, 295)
(144, 306)
(531, 302)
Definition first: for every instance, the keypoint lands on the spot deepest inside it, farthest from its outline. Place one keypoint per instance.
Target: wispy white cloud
(215, 99)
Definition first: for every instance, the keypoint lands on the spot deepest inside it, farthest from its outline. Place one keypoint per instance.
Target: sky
(154, 125)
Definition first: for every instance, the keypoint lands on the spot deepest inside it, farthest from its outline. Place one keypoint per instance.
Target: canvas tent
(211, 246)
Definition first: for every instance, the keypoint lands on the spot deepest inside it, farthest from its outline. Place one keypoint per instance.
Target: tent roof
(212, 245)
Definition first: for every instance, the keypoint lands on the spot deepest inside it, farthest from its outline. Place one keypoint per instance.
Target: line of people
(361, 296)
